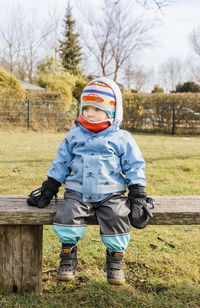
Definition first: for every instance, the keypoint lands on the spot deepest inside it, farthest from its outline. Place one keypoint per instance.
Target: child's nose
(90, 112)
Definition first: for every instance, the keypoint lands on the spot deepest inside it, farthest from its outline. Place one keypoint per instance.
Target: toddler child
(97, 161)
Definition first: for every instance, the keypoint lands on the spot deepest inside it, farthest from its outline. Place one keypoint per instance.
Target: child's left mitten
(41, 197)
(139, 212)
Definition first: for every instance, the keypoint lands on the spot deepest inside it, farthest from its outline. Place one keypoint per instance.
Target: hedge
(154, 112)
(142, 112)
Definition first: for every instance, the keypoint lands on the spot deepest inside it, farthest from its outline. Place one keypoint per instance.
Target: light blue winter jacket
(96, 165)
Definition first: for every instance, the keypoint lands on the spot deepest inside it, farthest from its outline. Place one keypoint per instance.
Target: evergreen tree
(188, 86)
(70, 51)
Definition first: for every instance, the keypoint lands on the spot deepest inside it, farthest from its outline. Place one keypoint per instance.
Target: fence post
(28, 108)
(173, 118)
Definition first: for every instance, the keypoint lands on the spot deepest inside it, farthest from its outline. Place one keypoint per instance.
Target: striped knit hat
(100, 95)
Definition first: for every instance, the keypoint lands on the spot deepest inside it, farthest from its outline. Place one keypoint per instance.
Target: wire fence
(36, 115)
(50, 115)
(162, 114)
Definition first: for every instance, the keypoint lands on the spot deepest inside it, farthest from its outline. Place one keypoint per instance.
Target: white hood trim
(118, 95)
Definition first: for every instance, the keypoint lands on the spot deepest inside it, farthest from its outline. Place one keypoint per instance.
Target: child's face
(94, 114)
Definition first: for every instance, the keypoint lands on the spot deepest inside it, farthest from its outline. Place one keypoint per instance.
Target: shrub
(157, 89)
(62, 82)
(78, 88)
(154, 112)
(188, 86)
(8, 81)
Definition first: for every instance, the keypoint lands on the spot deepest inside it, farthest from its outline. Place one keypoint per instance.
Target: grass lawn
(161, 277)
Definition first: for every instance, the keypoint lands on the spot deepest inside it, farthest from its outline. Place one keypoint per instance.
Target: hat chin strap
(99, 122)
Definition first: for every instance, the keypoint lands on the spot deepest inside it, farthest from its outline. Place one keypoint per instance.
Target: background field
(160, 277)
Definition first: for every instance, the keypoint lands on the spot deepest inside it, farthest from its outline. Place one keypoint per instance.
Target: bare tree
(194, 39)
(158, 3)
(193, 62)
(193, 69)
(34, 44)
(137, 77)
(171, 73)
(25, 40)
(56, 19)
(152, 3)
(96, 38)
(115, 35)
(11, 40)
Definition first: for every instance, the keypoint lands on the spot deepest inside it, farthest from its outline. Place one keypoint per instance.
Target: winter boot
(115, 273)
(68, 263)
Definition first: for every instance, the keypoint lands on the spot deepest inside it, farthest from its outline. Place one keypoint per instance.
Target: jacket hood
(118, 96)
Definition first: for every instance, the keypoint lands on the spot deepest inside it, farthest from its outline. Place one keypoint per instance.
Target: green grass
(160, 277)
(172, 163)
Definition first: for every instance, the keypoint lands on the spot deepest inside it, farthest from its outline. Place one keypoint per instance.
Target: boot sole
(116, 282)
(65, 278)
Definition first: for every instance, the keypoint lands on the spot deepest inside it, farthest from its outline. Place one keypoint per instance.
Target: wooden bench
(21, 230)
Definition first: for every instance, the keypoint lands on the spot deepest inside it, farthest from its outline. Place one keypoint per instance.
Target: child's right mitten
(139, 212)
(49, 189)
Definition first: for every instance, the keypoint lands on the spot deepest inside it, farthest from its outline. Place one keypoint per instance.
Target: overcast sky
(178, 20)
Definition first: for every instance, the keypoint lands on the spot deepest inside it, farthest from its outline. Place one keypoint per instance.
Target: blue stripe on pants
(116, 243)
(69, 235)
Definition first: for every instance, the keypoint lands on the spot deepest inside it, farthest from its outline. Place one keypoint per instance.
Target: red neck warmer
(93, 127)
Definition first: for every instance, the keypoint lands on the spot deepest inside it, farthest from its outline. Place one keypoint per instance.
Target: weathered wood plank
(21, 258)
(21, 235)
(169, 210)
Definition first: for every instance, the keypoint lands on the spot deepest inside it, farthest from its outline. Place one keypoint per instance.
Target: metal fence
(36, 115)
(50, 115)
(162, 117)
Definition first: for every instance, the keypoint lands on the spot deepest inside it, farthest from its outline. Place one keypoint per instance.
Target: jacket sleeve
(132, 163)
(61, 166)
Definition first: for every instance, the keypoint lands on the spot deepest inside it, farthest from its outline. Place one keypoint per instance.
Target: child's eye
(97, 109)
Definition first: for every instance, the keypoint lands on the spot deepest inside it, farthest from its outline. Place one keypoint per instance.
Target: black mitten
(49, 188)
(140, 213)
